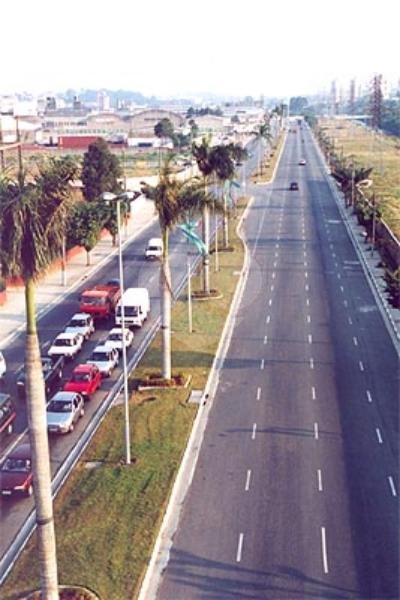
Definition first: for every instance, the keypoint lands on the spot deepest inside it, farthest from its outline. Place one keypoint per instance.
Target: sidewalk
(50, 289)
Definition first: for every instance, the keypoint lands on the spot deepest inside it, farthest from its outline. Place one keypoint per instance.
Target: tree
(33, 215)
(224, 168)
(349, 177)
(100, 172)
(202, 155)
(84, 226)
(173, 199)
(262, 133)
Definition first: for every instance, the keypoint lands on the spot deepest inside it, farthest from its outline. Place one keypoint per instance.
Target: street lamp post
(110, 197)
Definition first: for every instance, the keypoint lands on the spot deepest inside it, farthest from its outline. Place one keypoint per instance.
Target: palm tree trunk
(206, 256)
(225, 222)
(165, 294)
(36, 411)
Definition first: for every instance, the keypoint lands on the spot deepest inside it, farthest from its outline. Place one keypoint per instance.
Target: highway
(295, 492)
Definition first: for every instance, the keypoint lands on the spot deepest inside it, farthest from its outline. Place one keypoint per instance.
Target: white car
(63, 411)
(66, 344)
(105, 358)
(114, 338)
(154, 249)
(81, 323)
(3, 366)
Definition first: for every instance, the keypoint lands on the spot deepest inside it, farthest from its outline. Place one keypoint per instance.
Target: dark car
(16, 472)
(52, 373)
(7, 413)
(294, 186)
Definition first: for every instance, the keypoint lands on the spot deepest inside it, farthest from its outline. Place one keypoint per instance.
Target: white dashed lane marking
(392, 486)
(239, 548)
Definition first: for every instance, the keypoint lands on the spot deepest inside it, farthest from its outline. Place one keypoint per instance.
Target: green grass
(369, 149)
(107, 517)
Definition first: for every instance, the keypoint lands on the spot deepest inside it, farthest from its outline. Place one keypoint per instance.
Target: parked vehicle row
(67, 406)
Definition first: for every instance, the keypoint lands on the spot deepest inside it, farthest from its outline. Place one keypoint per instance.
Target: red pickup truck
(85, 379)
(100, 301)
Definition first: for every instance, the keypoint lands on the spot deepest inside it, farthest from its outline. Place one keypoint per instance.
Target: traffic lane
(227, 386)
(309, 413)
(366, 329)
(369, 461)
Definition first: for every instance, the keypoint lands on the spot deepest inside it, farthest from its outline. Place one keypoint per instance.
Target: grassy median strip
(108, 514)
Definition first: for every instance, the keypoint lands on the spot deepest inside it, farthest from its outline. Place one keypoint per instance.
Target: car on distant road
(3, 365)
(66, 344)
(81, 323)
(114, 338)
(294, 186)
(16, 472)
(154, 249)
(7, 413)
(105, 358)
(63, 411)
(302, 161)
(85, 379)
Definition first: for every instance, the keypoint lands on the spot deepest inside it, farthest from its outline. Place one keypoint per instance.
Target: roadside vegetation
(264, 171)
(107, 515)
(365, 163)
(368, 148)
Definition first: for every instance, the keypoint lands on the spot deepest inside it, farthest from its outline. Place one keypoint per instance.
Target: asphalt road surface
(295, 493)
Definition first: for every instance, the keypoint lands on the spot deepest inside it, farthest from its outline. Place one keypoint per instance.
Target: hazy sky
(167, 47)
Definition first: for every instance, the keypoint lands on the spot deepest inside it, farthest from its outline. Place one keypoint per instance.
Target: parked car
(114, 338)
(3, 366)
(105, 358)
(63, 411)
(302, 162)
(52, 373)
(81, 323)
(66, 344)
(16, 472)
(85, 379)
(294, 186)
(154, 249)
(7, 413)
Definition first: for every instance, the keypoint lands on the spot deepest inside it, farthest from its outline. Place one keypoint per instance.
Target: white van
(154, 249)
(136, 303)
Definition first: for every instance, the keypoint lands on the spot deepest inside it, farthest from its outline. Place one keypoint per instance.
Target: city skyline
(284, 50)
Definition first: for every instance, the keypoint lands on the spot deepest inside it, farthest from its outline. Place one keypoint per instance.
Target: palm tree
(223, 158)
(262, 133)
(174, 200)
(202, 155)
(224, 168)
(33, 214)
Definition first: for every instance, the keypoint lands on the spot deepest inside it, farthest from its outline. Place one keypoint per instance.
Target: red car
(16, 472)
(85, 379)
